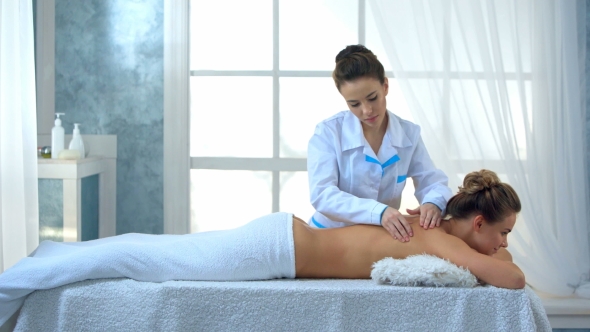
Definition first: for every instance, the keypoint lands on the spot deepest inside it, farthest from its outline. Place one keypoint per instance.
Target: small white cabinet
(101, 161)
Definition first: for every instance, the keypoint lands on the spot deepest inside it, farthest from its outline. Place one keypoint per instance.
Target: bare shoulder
(438, 242)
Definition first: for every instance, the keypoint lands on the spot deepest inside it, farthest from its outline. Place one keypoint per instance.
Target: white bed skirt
(278, 305)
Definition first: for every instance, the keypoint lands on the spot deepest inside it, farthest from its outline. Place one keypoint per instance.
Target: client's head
(489, 206)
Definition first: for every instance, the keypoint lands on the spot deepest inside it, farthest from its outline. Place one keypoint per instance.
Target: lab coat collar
(352, 132)
(397, 134)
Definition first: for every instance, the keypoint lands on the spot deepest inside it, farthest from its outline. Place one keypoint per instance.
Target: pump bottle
(57, 137)
(76, 143)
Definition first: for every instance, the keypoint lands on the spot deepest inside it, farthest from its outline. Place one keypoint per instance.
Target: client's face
(492, 237)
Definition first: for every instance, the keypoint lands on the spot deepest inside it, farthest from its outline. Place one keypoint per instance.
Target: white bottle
(76, 143)
(57, 137)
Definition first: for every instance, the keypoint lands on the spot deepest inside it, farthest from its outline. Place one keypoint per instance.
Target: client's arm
(492, 270)
(503, 254)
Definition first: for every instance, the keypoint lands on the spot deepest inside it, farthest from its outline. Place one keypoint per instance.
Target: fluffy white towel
(261, 249)
(421, 270)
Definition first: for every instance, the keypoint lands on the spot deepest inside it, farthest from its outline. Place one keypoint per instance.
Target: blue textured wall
(51, 216)
(109, 77)
(90, 205)
(588, 91)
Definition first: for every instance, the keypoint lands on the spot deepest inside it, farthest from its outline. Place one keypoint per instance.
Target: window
(260, 80)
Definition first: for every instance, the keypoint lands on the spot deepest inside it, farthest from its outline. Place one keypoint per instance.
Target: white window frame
(176, 118)
(274, 164)
(176, 196)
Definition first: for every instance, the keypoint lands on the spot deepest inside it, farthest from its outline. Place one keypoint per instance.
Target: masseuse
(359, 160)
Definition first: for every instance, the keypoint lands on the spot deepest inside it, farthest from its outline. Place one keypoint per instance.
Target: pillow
(422, 270)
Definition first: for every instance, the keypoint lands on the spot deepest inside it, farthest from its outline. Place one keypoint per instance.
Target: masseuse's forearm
(341, 206)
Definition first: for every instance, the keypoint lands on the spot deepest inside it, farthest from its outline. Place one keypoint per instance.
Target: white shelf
(71, 169)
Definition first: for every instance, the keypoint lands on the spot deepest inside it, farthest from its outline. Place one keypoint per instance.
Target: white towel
(422, 270)
(261, 249)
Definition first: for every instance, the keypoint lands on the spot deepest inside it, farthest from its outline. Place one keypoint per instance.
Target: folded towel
(421, 270)
(261, 249)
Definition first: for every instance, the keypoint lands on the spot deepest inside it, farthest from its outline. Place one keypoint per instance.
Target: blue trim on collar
(372, 160)
(401, 178)
(391, 161)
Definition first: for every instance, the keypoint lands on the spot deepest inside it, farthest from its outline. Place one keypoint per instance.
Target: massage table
(278, 305)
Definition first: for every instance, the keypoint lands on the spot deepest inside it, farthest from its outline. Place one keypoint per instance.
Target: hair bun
(475, 182)
(352, 49)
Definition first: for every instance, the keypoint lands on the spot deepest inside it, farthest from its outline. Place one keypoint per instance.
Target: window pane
(231, 116)
(312, 32)
(294, 195)
(228, 199)
(305, 101)
(231, 34)
(373, 39)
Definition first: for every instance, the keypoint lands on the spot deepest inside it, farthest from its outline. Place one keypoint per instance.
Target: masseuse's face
(492, 237)
(365, 97)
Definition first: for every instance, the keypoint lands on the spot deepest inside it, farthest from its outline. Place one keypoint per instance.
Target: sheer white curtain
(19, 211)
(500, 85)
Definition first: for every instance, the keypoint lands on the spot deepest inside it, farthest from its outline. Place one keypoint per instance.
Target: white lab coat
(350, 184)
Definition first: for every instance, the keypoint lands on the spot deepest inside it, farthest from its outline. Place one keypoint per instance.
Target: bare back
(350, 252)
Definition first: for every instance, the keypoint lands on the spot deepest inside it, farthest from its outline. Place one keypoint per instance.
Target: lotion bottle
(57, 137)
(76, 143)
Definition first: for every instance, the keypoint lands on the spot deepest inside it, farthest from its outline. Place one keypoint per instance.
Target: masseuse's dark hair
(357, 61)
(483, 193)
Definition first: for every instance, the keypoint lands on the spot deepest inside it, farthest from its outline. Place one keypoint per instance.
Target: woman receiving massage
(473, 235)
(279, 245)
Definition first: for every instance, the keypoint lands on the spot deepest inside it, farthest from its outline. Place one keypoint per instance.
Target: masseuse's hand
(393, 221)
(429, 215)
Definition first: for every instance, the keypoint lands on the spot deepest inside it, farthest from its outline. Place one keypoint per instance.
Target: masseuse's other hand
(393, 221)
(429, 215)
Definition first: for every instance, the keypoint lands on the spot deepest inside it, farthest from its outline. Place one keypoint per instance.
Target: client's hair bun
(352, 49)
(475, 182)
